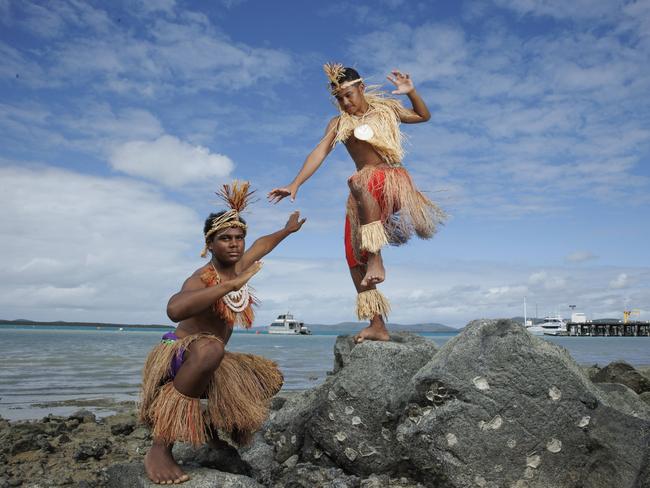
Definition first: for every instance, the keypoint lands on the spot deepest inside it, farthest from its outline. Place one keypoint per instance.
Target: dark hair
(208, 222)
(349, 74)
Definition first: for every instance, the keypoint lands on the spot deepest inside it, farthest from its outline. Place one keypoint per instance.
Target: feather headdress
(237, 196)
(335, 73)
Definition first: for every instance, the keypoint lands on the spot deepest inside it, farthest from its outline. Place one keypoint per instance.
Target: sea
(57, 370)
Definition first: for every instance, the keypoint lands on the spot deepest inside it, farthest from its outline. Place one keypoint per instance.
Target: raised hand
(277, 194)
(242, 278)
(295, 222)
(402, 81)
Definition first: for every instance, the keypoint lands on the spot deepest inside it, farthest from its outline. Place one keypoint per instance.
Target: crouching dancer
(192, 364)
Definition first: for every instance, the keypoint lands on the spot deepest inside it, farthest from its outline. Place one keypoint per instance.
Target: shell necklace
(363, 131)
(237, 300)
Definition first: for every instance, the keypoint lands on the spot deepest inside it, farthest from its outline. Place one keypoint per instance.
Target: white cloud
(179, 51)
(580, 257)
(101, 123)
(448, 292)
(547, 281)
(537, 278)
(79, 247)
(524, 123)
(82, 247)
(427, 53)
(576, 9)
(621, 281)
(92, 128)
(510, 292)
(170, 161)
(149, 6)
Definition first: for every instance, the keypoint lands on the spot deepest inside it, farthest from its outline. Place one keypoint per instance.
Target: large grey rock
(625, 374)
(385, 481)
(369, 379)
(259, 458)
(310, 476)
(591, 371)
(645, 397)
(498, 407)
(286, 428)
(353, 421)
(132, 475)
(281, 437)
(224, 458)
(644, 370)
(625, 400)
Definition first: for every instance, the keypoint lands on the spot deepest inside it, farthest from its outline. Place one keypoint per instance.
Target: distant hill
(345, 327)
(354, 326)
(61, 323)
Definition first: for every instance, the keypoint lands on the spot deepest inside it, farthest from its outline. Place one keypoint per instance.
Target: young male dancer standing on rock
(191, 363)
(384, 206)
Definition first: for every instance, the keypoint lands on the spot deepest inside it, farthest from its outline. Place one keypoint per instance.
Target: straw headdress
(237, 196)
(335, 73)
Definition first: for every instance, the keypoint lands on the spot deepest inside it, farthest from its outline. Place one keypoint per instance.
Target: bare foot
(375, 272)
(161, 467)
(372, 333)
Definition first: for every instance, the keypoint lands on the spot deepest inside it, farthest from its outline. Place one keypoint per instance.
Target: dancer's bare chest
(362, 153)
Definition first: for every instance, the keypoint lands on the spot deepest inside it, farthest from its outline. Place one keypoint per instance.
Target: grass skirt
(405, 211)
(238, 396)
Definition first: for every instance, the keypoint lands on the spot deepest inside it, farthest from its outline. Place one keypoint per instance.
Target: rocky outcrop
(499, 407)
(353, 424)
(67, 451)
(623, 399)
(624, 374)
(132, 475)
(494, 407)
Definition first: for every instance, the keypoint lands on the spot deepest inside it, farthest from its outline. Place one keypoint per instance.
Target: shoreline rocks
(493, 407)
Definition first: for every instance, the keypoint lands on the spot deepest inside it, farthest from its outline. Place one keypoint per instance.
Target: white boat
(551, 326)
(286, 324)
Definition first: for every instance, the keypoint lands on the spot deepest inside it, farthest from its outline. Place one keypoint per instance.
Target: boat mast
(524, 311)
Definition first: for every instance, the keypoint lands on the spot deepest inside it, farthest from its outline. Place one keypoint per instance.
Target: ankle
(374, 257)
(159, 445)
(377, 323)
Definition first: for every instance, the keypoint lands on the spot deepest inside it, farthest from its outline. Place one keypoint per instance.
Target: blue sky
(119, 120)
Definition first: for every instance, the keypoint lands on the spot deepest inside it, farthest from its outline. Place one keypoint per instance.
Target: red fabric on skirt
(376, 189)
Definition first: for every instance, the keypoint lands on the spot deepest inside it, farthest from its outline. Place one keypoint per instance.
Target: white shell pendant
(363, 132)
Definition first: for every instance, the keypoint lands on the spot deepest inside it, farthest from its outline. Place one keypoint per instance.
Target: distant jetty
(61, 323)
(609, 329)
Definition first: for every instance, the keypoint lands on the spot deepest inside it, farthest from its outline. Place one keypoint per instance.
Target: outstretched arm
(194, 297)
(309, 167)
(404, 86)
(264, 245)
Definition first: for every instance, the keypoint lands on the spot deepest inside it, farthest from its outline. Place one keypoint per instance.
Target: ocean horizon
(51, 369)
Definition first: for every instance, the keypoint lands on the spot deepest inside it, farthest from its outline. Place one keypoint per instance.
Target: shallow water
(47, 370)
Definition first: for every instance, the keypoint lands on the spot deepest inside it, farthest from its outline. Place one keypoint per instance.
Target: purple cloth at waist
(177, 360)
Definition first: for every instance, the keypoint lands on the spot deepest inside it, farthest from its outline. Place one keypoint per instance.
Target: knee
(355, 187)
(206, 354)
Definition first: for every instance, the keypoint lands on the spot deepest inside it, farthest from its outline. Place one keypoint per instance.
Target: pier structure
(609, 329)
